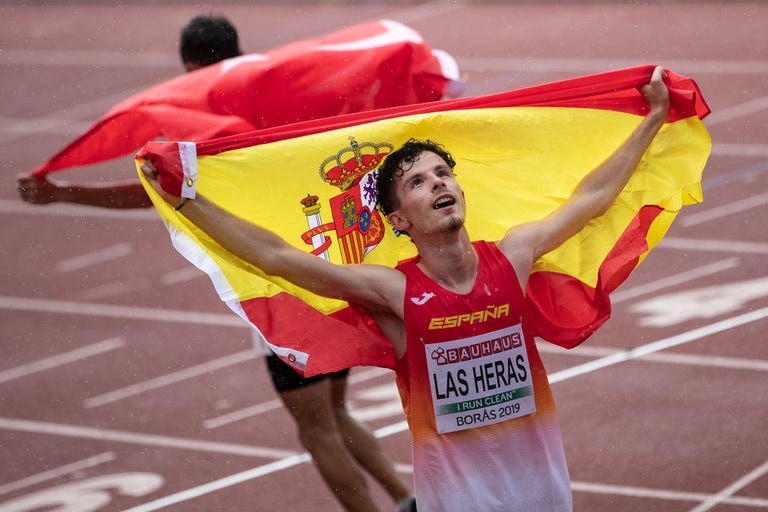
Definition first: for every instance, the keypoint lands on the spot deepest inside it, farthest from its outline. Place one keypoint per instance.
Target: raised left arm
(594, 194)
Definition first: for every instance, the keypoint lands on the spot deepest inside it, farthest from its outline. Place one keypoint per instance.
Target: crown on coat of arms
(351, 163)
(309, 201)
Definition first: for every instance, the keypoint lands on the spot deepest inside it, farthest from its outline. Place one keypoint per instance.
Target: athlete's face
(429, 197)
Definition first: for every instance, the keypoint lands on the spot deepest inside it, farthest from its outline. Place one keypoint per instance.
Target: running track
(126, 385)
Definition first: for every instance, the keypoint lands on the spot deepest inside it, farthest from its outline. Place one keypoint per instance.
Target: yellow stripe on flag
(514, 163)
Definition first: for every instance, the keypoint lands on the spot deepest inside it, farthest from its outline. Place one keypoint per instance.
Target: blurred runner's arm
(38, 190)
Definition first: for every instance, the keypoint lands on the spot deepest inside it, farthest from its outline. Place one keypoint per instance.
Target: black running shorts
(286, 378)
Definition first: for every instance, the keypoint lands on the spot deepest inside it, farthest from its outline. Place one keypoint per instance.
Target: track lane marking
(669, 281)
(69, 58)
(62, 359)
(121, 436)
(710, 245)
(97, 257)
(63, 307)
(71, 210)
(242, 414)
(170, 378)
(222, 483)
(656, 346)
(718, 212)
(402, 426)
(645, 492)
(596, 65)
(732, 363)
(355, 377)
(725, 495)
(181, 275)
(733, 112)
(54, 473)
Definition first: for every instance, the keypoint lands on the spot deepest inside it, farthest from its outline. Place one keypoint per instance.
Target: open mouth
(443, 202)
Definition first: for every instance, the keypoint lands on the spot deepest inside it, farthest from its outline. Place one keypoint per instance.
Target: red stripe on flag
(614, 90)
(564, 310)
(290, 323)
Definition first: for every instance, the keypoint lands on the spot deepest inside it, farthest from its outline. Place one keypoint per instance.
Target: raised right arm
(375, 287)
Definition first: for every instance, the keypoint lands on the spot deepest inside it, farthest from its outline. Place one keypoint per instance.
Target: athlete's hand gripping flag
(519, 155)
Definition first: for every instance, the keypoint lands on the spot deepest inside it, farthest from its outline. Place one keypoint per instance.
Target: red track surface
(119, 368)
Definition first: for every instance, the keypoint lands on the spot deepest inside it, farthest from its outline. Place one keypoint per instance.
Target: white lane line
(222, 483)
(725, 210)
(559, 376)
(232, 480)
(119, 436)
(242, 414)
(65, 121)
(61, 359)
(257, 472)
(580, 65)
(103, 255)
(366, 374)
(669, 281)
(171, 378)
(181, 275)
(702, 244)
(390, 409)
(294, 460)
(122, 312)
(736, 177)
(419, 12)
(18, 207)
(355, 377)
(57, 472)
(404, 468)
(732, 363)
(727, 114)
(15, 128)
(388, 430)
(86, 58)
(115, 289)
(644, 492)
(626, 355)
(659, 345)
(739, 149)
(69, 58)
(726, 494)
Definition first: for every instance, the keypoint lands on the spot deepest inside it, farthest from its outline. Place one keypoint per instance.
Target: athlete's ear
(398, 222)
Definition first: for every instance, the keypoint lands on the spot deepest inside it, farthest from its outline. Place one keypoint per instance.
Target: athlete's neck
(452, 263)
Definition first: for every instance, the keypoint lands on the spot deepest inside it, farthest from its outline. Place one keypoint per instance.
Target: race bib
(481, 380)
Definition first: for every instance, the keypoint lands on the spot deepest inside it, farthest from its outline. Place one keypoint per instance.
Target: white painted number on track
(85, 495)
(709, 302)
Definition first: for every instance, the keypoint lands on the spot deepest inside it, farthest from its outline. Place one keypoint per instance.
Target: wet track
(126, 385)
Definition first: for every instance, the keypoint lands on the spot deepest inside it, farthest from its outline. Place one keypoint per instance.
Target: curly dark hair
(206, 40)
(400, 161)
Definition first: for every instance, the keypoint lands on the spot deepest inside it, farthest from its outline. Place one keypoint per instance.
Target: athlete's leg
(365, 447)
(319, 434)
(309, 401)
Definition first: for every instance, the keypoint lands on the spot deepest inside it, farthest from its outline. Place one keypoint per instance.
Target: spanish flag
(362, 67)
(519, 155)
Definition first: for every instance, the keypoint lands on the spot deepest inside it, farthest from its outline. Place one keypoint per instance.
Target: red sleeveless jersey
(476, 396)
